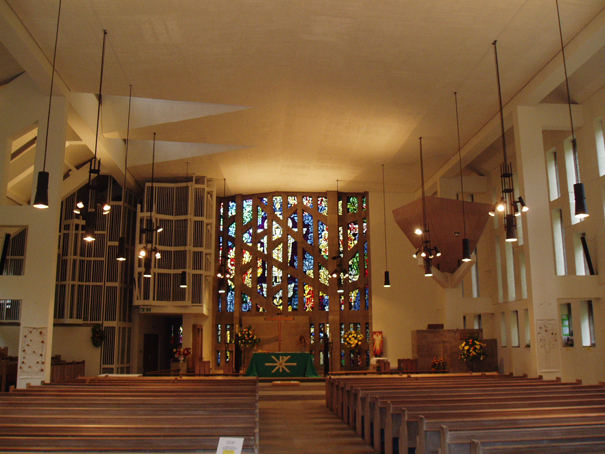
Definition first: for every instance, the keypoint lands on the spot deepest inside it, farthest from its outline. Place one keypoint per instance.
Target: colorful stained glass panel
(247, 210)
(353, 234)
(354, 268)
(308, 201)
(246, 303)
(292, 200)
(308, 263)
(308, 227)
(309, 297)
(324, 302)
(322, 233)
(278, 206)
(354, 300)
(292, 293)
(322, 205)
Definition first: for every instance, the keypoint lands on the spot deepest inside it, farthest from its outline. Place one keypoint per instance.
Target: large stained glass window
(282, 251)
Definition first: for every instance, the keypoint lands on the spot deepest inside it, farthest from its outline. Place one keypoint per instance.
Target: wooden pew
(583, 447)
(429, 438)
(130, 415)
(459, 442)
(406, 430)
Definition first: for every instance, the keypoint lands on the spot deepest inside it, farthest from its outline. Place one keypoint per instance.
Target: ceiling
(310, 92)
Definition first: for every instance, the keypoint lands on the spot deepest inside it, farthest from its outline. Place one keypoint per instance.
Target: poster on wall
(33, 353)
(549, 359)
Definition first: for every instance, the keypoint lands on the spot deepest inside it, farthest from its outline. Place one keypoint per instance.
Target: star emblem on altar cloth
(280, 364)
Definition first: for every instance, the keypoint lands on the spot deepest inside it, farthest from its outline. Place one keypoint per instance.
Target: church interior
(188, 186)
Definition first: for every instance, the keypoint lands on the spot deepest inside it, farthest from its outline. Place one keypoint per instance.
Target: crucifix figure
(278, 319)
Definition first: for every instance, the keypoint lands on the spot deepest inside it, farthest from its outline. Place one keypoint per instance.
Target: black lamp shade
(89, 229)
(387, 279)
(183, 279)
(222, 285)
(466, 250)
(147, 271)
(341, 288)
(511, 228)
(580, 198)
(41, 197)
(428, 267)
(121, 249)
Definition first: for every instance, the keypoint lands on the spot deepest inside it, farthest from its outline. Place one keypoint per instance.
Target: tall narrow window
(510, 272)
(499, 271)
(559, 242)
(475, 276)
(566, 325)
(587, 322)
(552, 170)
(478, 323)
(523, 275)
(600, 142)
(502, 329)
(526, 327)
(580, 260)
(514, 328)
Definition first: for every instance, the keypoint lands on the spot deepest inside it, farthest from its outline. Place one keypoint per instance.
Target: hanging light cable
(387, 277)
(148, 255)
(466, 246)
(507, 205)
(222, 267)
(122, 240)
(581, 209)
(41, 196)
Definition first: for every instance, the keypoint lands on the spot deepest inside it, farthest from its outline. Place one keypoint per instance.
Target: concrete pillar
(529, 123)
(36, 287)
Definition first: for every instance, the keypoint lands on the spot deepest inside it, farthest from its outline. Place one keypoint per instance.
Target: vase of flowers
(246, 339)
(352, 340)
(180, 355)
(472, 349)
(437, 364)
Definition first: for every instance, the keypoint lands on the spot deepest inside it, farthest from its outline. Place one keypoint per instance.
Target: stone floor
(295, 419)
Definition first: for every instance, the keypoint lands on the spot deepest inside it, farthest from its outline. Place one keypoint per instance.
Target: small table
(281, 365)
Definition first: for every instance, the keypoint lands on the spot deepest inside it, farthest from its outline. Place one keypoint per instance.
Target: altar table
(282, 364)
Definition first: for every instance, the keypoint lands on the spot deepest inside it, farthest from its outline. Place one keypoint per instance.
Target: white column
(529, 123)
(36, 287)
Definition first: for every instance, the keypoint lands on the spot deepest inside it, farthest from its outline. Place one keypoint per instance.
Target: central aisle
(294, 419)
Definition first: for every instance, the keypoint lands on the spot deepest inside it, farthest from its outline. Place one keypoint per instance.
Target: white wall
(73, 344)
(9, 337)
(413, 300)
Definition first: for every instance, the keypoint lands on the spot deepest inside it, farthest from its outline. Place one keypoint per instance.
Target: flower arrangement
(181, 354)
(472, 348)
(97, 335)
(437, 364)
(352, 339)
(245, 337)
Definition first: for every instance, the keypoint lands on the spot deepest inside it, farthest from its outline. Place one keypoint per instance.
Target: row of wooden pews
(470, 414)
(119, 414)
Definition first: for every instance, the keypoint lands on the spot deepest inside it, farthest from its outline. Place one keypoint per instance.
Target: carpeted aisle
(294, 419)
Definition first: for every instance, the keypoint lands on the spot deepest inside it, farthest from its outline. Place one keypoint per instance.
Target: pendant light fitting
(466, 246)
(121, 257)
(581, 209)
(41, 196)
(507, 204)
(387, 277)
(427, 252)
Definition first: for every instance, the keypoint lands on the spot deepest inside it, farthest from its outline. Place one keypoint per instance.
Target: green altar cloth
(281, 365)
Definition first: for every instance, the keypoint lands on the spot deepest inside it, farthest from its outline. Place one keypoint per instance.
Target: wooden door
(151, 353)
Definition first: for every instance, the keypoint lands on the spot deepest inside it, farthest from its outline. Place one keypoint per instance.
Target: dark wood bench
(132, 415)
